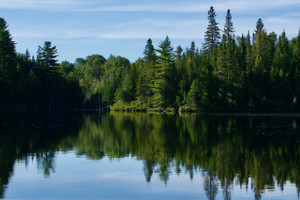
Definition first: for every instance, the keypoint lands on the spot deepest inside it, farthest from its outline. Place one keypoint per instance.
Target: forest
(254, 72)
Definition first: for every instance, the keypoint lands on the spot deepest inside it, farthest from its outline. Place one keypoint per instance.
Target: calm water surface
(148, 156)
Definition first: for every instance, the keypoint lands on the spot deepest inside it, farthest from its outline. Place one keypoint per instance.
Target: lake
(149, 156)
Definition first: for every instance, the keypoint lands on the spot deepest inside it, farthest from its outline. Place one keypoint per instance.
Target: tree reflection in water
(228, 150)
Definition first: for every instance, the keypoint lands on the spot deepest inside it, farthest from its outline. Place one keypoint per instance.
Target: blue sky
(121, 27)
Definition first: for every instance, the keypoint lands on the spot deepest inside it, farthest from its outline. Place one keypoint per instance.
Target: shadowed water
(149, 156)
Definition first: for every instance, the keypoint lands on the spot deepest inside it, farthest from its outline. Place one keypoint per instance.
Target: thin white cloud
(137, 29)
(159, 27)
(156, 28)
(41, 4)
(188, 6)
(54, 33)
(152, 28)
(293, 14)
(196, 6)
(277, 24)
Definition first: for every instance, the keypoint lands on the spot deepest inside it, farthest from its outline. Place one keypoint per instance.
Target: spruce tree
(259, 29)
(249, 53)
(178, 53)
(146, 72)
(283, 54)
(166, 54)
(282, 73)
(162, 84)
(27, 55)
(192, 50)
(259, 26)
(212, 34)
(228, 28)
(46, 55)
(7, 63)
(296, 70)
(194, 96)
(149, 52)
(145, 75)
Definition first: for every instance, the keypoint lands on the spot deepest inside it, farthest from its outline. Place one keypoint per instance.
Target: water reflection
(257, 153)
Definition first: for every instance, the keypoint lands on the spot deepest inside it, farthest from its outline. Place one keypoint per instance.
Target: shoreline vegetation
(256, 72)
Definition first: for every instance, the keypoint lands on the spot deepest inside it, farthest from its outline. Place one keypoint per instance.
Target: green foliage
(212, 34)
(46, 55)
(8, 64)
(149, 52)
(283, 55)
(259, 26)
(228, 28)
(128, 88)
(238, 74)
(144, 76)
(194, 95)
(163, 85)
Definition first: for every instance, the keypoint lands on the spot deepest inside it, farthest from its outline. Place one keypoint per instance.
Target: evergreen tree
(228, 28)
(183, 79)
(263, 51)
(194, 96)
(149, 52)
(190, 63)
(162, 84)
(242, 52)
(259, 29)
(46, 55)
(7, 63)
(259, 26)
(212, 34)
(249, 55)
(192, 50)
(146, 73)
(296, 70)
(280, 89)
(283, 54)
(145, 76)
(178, 53)
(27, 55)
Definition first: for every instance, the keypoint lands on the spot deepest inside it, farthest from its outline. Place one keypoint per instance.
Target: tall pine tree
(162, 84)
(259, 29)
(228, 28)
(149, 52)
(212, 34)
(259, 26)
(46, 55)
(7, 63)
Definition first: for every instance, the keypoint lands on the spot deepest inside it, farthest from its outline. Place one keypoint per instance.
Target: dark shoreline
(250, 114)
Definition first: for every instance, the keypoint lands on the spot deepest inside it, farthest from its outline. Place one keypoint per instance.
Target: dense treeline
(38, 83)
(258, 72)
